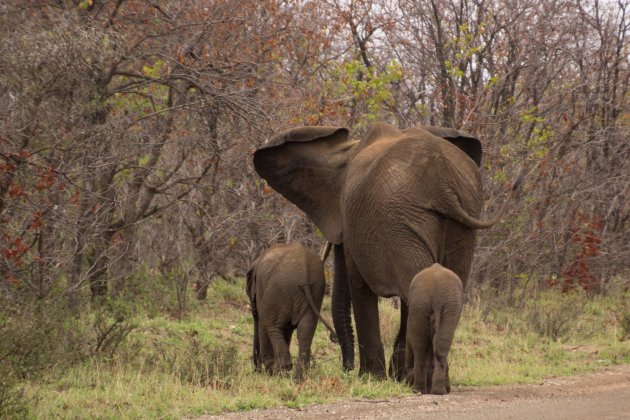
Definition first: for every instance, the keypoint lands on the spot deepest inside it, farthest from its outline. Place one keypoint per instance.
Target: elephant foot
(420, 388)
(439, 383)
(372, 362)
(438, 387)
(348, 365)
(299, 377)
(409, 379)
(374, 371)
(438, 391)
(282, 369)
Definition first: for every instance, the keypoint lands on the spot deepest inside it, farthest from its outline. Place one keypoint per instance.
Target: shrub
(36, 337)
(203, 364)
(13, 404)
(553, 314)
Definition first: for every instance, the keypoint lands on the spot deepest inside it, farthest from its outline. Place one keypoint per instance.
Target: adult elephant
(393, 204)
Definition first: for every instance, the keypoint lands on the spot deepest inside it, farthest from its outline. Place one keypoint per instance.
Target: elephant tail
(311, 302)
(460, 215)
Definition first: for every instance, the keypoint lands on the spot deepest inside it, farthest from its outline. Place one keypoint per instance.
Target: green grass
(172, 368)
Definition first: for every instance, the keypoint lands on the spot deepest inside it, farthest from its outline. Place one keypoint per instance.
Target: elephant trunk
(341, 309)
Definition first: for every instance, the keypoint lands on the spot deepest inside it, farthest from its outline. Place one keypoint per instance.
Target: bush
(204, 364)
(13, 404)
(187, 355)
(550, 313)
(35, 337)
(554, 319)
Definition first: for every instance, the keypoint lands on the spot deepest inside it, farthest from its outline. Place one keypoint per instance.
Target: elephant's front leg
(365, 308)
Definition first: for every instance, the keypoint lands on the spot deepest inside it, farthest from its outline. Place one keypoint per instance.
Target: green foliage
(228, 290)
(366, 87)
(36, 337)
(463, 47)
(537, 145)
(146, 99)
(146, 291)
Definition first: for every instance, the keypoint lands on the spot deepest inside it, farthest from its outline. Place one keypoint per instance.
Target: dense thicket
(127, 127)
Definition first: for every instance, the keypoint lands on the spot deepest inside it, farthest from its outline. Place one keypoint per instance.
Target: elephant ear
(467, 143)
(307, 166)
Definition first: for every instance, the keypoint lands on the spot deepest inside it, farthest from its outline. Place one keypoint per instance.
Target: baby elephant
(435, 304)
(285, 288)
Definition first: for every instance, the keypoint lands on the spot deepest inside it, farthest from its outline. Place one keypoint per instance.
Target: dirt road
(603, 395)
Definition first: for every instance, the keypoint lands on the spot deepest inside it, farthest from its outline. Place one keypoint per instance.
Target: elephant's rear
(288, 268)
(396, 199)
(435, 302)
(438, 286)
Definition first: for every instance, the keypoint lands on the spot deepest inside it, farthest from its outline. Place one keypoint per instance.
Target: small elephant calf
(286, 287)
(435, 300)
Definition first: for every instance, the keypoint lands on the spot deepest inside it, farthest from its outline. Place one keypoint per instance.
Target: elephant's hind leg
(397, 368)
(419, 351)
(266, 350)
(282, 356)
(442, 341)
(305, 331)
(365, 308)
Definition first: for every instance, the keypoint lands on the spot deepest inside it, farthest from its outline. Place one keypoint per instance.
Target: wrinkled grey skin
(436, 297)
(285, 287)
(393, 203)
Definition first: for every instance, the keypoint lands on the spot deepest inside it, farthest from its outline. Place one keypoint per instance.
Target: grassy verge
(167, 367)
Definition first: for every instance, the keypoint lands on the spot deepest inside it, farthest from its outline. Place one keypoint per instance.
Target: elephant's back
(415, 171)
(291, 265)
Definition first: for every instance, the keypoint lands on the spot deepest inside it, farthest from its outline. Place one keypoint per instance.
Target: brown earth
(601, 395)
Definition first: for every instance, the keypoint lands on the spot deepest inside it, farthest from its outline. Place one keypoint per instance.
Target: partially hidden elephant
(435, 299)
(286, 287)
(392, 204)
